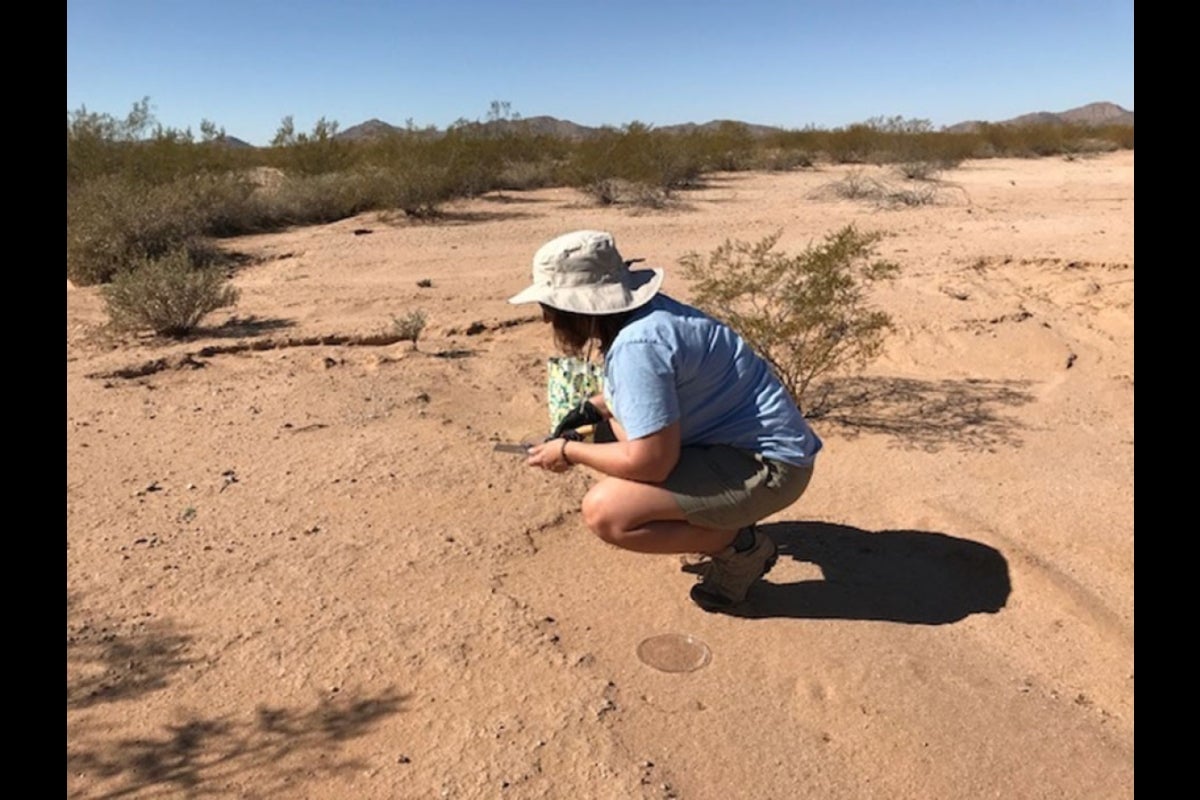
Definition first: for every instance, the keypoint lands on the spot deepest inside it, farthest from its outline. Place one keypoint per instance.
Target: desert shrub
(854, 144)
(1120, 135)
(857, 185)
(316, 153)
(783, 160)
(729, 147)
(808, 141)
(919, 170)
(318, 199)
(224, 204)
(614, 191)
(605, 191)
(167, 294)
(421, 189)
(417, 174)
(636, 155)
(1090, 146)
(113, 221)
(138, 148)
(807, 313)
(1031, 140)
(949, 150)
(894, 197)
(518, 175)
(643, 195)
(410, 326)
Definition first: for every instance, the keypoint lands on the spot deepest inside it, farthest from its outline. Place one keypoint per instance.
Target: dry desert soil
(296, 567)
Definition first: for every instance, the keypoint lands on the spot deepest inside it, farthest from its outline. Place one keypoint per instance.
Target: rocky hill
(1090, 114)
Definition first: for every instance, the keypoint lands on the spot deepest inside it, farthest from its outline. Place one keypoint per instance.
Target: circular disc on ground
(674, 652)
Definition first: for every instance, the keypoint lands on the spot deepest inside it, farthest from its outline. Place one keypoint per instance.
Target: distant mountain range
(1091, 114)
(545, 126)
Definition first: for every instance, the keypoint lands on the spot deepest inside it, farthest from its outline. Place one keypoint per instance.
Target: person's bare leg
(646, 518)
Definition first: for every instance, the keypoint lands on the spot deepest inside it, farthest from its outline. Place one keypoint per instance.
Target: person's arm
(649, 459)
(598, 402)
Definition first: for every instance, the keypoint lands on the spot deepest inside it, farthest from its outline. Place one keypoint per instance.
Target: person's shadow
(900, 576)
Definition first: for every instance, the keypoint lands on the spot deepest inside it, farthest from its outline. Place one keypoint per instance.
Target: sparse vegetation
(410, 326)
(136, 190)
(857, 185)
(807, 313)
(165, 294)
(919, 170)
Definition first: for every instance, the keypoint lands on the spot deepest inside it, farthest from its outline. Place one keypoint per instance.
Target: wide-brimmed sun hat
(583, 272)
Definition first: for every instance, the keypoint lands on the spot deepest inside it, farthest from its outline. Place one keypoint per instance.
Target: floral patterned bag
(570, 381)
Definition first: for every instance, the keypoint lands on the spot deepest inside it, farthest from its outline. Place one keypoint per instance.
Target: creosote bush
(806, 313)
(167, 295)
(856, 185)
(410, 326)
(137, 190)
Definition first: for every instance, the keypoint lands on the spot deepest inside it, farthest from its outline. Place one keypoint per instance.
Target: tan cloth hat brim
(609, 298)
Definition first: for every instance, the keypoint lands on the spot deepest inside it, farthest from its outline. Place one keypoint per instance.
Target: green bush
(319, 199)
(854, 144)
(136, 190)
(410, 326)
(166, 295)
(634, 155)
(139, 149)
(807, 314)
(113, 220)
(783, 159)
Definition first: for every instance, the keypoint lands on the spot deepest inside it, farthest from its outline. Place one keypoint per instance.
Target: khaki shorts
(728, 488)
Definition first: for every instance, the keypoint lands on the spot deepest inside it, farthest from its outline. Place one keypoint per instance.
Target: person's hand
(584, 414)
(549, 455)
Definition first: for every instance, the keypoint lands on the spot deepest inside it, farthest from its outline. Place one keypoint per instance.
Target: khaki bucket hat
(583, 272)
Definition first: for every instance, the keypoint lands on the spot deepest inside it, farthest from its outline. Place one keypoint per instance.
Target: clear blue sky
(247, 64)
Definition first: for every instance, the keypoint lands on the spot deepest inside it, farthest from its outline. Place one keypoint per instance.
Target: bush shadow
(914, 577)
(242, 328)
(473, 217)
(277, 750)
(111, 659)
(499, 196)
(925, 415)
(454, 353)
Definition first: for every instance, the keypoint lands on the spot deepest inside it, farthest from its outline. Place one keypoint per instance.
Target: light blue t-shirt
(672, 362)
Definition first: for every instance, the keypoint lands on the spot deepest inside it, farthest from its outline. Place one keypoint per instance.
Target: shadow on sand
(966, 415)
(120, 661)
(917, 577)
(242, 328)
(274, 748)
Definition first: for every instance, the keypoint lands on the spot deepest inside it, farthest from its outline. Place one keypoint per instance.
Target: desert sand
(296, 567)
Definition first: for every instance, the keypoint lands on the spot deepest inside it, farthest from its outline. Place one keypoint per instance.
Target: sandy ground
(296, 568)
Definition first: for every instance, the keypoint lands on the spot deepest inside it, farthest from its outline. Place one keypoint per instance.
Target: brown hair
(572, 331)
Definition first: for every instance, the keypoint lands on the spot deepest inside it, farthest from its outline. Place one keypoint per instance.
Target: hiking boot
(730, 574)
